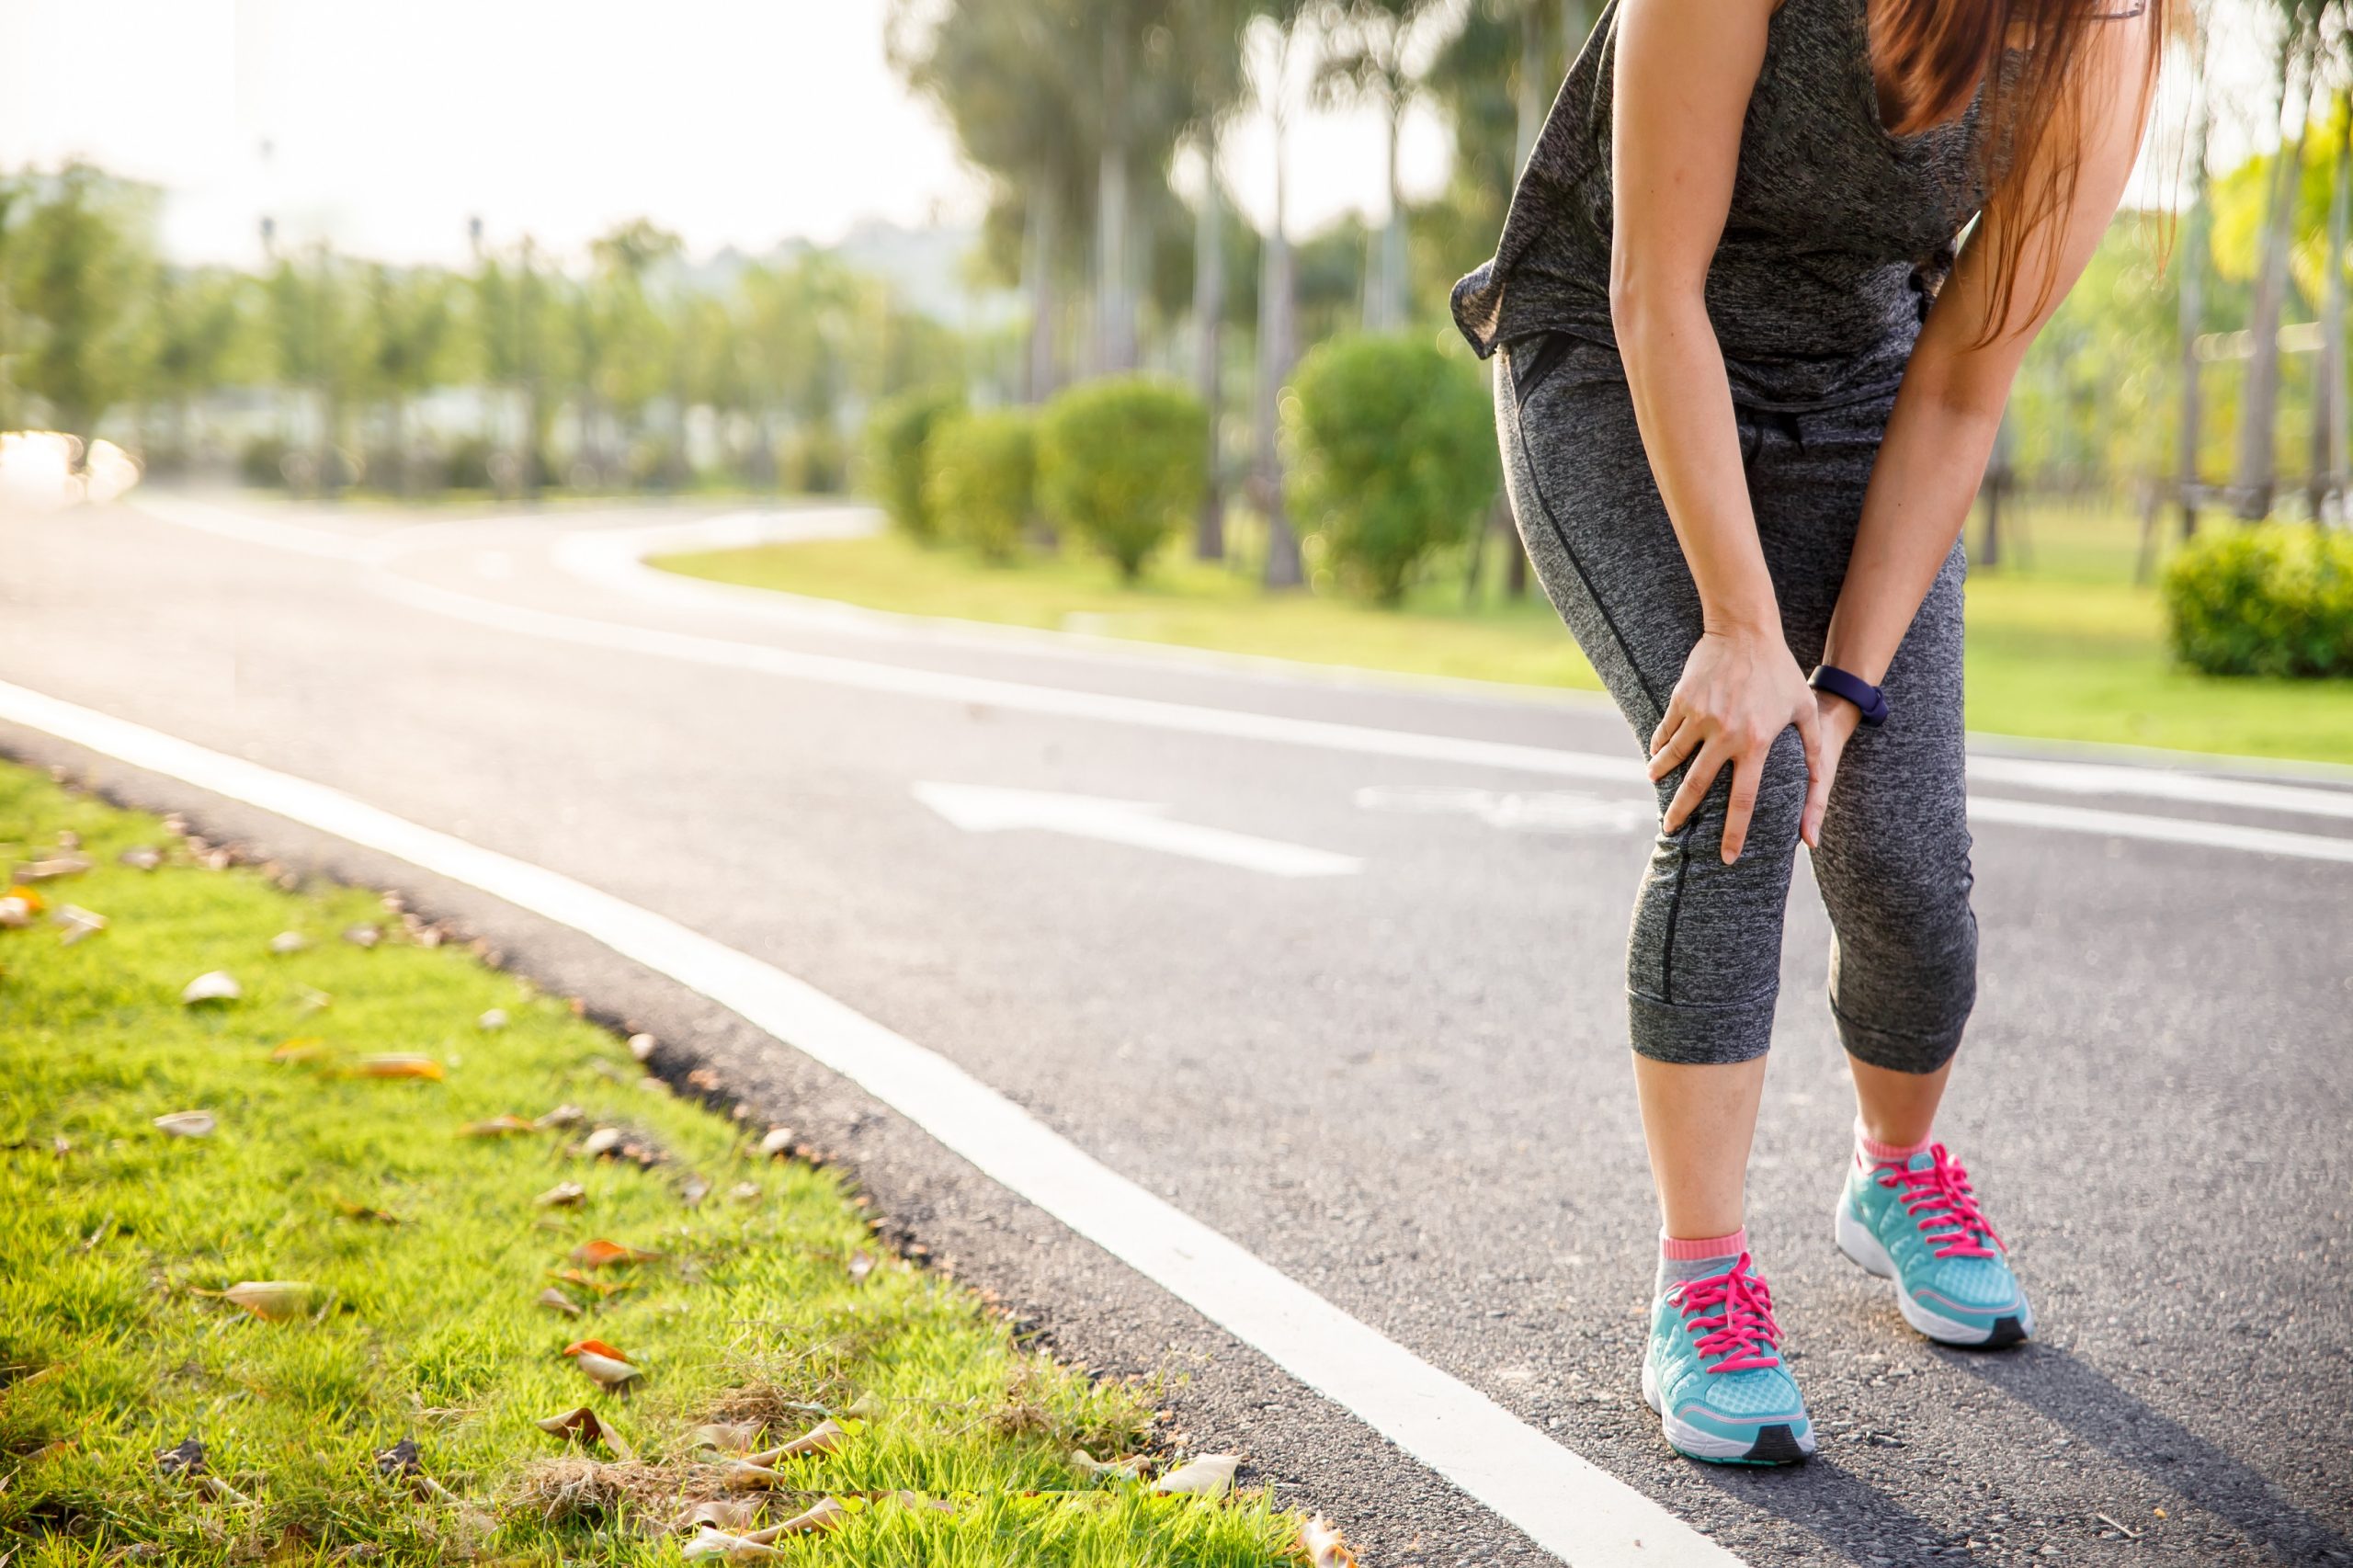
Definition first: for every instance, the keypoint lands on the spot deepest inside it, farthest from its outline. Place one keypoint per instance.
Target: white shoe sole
(1688, 1439)
(1863, 1249)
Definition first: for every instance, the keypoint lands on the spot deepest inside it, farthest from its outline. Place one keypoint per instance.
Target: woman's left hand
(1838, 718)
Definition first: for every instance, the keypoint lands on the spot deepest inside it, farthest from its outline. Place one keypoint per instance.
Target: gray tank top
(1839, 235)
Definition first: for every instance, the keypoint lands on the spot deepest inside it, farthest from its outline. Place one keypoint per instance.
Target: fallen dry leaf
(400, 1462)
(694, 1189)
(582, 1424)
(289, 942)
(493, 1019)
(496, 1127)
(1319, 1542)
(604, 1140)
(139, 857)
(188, 1462)
(399, 1066)
(308, 1001)
(373, 1216)
(362, 935)
(602, 1363)
(1206, 1476)
(561, 1116)
(862, 1263)
(743, 1475)
(78, 923)
(822, 1438)
(778, 1142)
(602, 1254)
(16, 912)
(728, 1437)
(826, 1514)
(745, 1192)
(213, 985)
(56, 866)
(188, 1124)
(712, 1545)
(730, 1514)
(310, 1047)
(641, 1046)
(600, 1286)
(557, 1301)
(562, 1195)
(272, 1301)
(1130, 1467)
(703, 1078)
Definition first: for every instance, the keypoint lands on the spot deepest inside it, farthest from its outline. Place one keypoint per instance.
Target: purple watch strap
(1869, 698)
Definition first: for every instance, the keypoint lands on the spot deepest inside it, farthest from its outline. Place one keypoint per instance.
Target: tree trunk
(1115, 346)
(2332, 464)
(2195, 246)
(1039, 223)
(2258, 415)
(1529, 101)
(1283, 567)
(1390, 313)
(1209, 319)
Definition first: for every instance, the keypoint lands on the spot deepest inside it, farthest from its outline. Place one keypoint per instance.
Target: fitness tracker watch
(1855, 689)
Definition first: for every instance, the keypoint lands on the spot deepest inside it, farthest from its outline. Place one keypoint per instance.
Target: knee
(1775, 815)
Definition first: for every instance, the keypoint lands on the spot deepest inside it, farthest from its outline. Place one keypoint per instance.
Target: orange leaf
(601, 1287)
(598, 1345)
(600, 1254)
(399, 1066)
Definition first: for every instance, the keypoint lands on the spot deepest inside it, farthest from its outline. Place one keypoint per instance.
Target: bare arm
(1951, 402)
(1684, 71)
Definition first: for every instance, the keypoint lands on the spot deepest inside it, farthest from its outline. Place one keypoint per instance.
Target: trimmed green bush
(980, 476)
(896, 434)
(1393, 451)
(2275, 599)
(1120, 464)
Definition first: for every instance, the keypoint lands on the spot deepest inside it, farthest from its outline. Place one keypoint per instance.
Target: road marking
(2161, 830)
(1236, 723)
(1526, 811)
(1364, 740)
(978, 807)
(1566, 1504)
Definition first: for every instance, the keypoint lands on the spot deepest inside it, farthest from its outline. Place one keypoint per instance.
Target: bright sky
(733, 121)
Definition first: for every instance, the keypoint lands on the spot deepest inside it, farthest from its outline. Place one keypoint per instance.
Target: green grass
(2063, 644)
(111, 1231)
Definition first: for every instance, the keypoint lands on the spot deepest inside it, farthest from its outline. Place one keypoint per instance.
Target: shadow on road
(2075, 1396)
(1841, 1509)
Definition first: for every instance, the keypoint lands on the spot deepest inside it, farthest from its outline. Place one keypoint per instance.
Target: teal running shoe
(1713, 1372)
(1917, 1224)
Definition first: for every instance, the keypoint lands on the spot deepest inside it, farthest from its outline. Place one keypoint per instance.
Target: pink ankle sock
(1870, 1151)
(1679, 1249)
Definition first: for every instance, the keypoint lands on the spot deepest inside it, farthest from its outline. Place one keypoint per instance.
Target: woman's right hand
(1740, 689)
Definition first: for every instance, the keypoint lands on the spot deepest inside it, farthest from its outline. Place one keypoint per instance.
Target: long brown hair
(1934, 56)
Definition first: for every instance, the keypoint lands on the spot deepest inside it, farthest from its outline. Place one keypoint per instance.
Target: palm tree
(1276, 53)
(1210, 38)
(2259, 416)
(2194, 260)
(2332, 462)
(1369, 59)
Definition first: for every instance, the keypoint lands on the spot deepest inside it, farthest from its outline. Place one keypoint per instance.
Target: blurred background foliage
(2198, 373)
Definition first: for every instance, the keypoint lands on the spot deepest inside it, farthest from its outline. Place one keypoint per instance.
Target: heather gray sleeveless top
(1838, 234)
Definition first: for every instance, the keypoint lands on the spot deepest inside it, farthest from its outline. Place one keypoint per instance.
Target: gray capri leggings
(1703, 960)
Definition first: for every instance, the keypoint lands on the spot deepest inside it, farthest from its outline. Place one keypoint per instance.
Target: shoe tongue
(1920, 1162)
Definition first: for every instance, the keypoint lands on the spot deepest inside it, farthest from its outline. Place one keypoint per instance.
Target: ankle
(1870, 1151)
(1685, 1258)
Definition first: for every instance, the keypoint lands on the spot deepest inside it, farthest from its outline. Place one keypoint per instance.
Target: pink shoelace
(1940, 1204)
(1734, 1308)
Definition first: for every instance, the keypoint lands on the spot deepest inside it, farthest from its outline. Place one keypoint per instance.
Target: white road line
(2162, 830)
(1574, 1510)
(1235, 723)
(1139, 825)
(2080, 779)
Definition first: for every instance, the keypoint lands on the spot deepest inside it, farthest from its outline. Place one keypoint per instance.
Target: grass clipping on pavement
(341, 1228)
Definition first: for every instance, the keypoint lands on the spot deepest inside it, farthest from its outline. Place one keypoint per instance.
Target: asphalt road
(1401, 1083)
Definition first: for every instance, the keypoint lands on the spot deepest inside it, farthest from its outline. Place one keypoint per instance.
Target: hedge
(896, 434)
(978, 480)
(1394, 456)
(2275, 599)
(1120, 464)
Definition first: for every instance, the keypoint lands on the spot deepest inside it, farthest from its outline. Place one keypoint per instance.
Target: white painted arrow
(978, 807)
